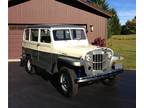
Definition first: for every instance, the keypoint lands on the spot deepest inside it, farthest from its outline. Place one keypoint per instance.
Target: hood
(77, 51)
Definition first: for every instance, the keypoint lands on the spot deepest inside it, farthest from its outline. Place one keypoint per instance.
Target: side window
(61, 35)
(34, 35)
(45, 36)
(27, 34)
(78, 34)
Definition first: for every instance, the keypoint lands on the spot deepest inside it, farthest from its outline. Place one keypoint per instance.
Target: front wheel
(67, 82)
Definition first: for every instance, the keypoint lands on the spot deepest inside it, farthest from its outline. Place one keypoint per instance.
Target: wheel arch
(28, 56)
(68, 62)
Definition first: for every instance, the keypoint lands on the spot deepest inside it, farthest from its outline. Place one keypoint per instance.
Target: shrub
(99, 42)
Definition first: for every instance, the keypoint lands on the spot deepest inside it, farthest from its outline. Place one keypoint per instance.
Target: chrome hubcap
(64, 82)
(29, 65)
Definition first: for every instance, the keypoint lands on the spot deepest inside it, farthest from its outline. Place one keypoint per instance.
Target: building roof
(81, 4)
(96, 7)
(15, 2)
(87, 6)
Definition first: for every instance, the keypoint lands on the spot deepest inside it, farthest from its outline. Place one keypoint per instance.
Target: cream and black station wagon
(64, 50)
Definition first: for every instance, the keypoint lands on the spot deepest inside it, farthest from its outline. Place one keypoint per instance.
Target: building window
(34, 35)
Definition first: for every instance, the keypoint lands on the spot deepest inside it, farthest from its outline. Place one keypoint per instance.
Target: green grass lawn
(125, 45)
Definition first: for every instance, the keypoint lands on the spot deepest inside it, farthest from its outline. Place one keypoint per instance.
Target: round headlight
(88, 57)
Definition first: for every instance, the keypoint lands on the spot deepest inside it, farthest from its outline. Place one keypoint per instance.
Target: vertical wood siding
(14, 42)
(51, 12)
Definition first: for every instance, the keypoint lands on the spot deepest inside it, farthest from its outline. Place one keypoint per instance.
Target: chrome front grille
(98, 61)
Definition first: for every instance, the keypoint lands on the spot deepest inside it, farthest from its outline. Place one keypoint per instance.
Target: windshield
(66, 34)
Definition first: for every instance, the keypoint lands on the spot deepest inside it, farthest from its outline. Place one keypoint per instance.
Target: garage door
(15, 33)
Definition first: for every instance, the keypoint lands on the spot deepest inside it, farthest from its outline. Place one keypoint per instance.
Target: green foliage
(125, 45)
(114, 27)
(129, 27)
(102, 3)
(109, 28)
(124, 37)
(124, 29)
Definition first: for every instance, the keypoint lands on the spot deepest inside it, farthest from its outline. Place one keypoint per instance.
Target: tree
(124, 29)
(114, 23)
(114, 27)
(129, 27)
(102, 3)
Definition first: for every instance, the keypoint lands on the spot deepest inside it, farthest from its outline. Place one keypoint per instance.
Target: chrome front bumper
(98, 77)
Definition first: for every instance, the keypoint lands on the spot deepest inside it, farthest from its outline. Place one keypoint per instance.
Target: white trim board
(13, 60)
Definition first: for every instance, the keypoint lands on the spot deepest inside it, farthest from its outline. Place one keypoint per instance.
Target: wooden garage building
(28, 12)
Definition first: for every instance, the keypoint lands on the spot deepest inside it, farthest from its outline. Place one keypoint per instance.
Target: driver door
(45, 50)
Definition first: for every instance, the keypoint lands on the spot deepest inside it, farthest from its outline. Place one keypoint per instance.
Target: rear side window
(61, 35)
(45, 36)
(34, 35)
(27, 34)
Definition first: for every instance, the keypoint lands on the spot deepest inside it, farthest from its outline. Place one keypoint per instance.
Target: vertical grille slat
(98, 62)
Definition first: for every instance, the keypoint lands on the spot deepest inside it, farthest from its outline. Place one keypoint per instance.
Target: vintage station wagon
(64, 50)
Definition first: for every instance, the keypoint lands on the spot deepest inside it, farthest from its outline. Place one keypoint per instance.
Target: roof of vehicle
(55, 26)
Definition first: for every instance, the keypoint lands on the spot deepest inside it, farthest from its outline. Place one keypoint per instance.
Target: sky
(126, 9)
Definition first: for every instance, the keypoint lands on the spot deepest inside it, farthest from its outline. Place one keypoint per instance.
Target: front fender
(75, 62)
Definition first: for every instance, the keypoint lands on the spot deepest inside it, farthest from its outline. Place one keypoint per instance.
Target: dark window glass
(61, 35)
(34, 35)
(45, 36)
(27, 34)
(78, 34)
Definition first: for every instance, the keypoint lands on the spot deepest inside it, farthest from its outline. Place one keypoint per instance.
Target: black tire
(29, 67)
(68, 86)
(38, 70)
(109, 81)
(22, 62)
